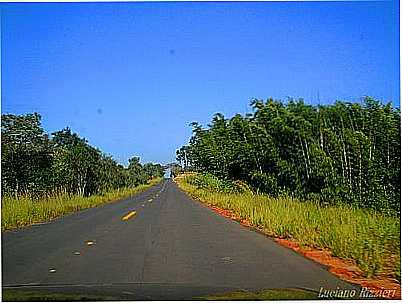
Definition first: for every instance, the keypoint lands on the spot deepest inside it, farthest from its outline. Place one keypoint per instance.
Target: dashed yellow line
(129, 215)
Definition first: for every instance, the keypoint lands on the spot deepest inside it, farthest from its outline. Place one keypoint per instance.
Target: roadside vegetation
(21, 212)
(55, 295)
(47, 175)
(344, 153)
(369, 238)
(327, 176)
(22, 295)
(269, 294)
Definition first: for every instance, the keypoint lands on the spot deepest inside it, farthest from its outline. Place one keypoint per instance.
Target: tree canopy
(344, 152)
(36, 164)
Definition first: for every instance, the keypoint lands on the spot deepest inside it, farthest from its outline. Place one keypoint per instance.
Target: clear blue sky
(130, 77)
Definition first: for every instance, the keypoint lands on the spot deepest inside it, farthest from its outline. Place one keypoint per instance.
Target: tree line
(338, 153)
(36, 164)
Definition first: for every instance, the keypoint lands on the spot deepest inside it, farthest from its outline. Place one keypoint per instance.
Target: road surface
(171, 248)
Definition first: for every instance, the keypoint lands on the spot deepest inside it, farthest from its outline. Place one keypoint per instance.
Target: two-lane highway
(159, 244)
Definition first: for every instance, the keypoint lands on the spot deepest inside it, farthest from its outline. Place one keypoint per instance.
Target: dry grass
(21, 212)
(370, 239)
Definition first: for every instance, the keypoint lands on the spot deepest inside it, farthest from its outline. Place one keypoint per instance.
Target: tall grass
(21, 212)
(371, 239)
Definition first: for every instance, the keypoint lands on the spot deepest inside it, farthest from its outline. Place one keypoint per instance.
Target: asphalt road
(172, 248)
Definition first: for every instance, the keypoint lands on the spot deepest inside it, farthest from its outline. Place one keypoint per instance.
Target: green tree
(344, 152)
(26, 155)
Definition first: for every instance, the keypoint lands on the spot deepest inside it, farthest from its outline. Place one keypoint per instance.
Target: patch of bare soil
(347, 271)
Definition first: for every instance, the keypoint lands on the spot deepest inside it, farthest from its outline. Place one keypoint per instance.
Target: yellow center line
(129, 215)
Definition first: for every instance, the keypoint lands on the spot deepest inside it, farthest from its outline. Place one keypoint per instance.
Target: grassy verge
(271, 294)
(370, 239)
(35, 296)
(21, 212)
(15, 295)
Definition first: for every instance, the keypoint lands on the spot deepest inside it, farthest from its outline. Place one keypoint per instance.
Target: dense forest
(36, 164)
(338, 153)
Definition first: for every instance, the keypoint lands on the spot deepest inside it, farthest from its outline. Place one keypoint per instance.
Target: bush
(266, 183)
(211, 183)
